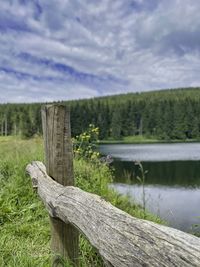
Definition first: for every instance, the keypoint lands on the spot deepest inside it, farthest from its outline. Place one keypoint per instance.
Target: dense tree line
(168, 114)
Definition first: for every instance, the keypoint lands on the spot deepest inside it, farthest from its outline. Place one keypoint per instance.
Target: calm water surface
(172, 184)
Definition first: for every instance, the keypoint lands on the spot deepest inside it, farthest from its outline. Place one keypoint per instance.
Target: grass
(141, 139)
(24, 222)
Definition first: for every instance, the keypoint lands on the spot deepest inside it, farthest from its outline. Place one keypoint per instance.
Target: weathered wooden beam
(59, 164)
(121, 239)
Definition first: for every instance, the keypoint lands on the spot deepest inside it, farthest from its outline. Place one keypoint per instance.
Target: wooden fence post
(59, 166)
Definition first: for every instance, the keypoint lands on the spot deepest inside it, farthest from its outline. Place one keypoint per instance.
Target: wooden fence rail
(120, 239)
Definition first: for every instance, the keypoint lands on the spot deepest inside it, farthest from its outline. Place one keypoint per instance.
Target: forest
(172, 114)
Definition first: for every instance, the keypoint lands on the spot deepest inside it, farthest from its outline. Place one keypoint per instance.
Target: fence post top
(55, 105)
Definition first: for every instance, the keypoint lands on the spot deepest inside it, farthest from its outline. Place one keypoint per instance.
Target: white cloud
(104, 47)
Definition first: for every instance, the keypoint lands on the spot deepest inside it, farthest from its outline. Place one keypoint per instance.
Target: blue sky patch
(94, 48)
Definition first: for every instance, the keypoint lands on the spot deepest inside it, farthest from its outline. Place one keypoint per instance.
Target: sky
(71, 49)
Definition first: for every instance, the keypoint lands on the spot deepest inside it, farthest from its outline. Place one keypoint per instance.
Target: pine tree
(116, 124)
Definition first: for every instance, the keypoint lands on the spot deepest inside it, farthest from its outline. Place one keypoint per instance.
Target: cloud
(62, 49)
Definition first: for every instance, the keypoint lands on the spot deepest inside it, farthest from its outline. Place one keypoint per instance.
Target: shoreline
(146, 141)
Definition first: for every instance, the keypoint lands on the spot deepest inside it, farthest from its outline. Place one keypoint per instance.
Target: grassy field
(24, 223)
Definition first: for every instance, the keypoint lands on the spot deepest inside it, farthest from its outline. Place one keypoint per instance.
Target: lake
(172, 184)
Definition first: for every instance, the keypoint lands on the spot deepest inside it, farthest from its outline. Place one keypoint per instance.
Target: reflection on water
(179, 206)
(172, 187)
(153, 152)
(171, 173)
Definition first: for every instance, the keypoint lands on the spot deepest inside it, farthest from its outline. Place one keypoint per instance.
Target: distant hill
(164, 114)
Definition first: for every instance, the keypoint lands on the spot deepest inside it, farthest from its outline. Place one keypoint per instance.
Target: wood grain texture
(57, 143)
(121, 239)
(59, 163)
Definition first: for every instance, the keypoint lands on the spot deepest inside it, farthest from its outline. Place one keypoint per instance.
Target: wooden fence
(120, 239)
